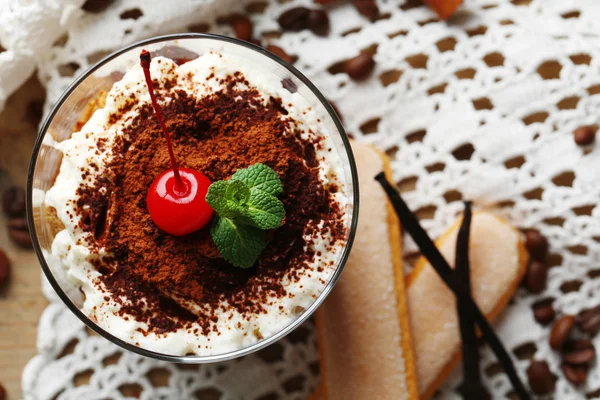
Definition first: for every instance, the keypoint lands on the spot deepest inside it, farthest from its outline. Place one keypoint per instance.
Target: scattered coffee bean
(537, 244)
(299, 18)
(535, 277)
(589, 320)
(360, 66)
(279, 52)
(19, 232)
(579, 352)
(4, 267)
(368, 8)
(541, 379)
(580, 357)
(560, 331)
(96, 6)
(13, 202)
(578, 344)
(295, 19)
(318, 22)
(584, 135)
(2, 392)
(576, 374)
(543, 313)
(242, 26)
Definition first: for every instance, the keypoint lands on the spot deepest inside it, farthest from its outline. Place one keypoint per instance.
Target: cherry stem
(145, 63)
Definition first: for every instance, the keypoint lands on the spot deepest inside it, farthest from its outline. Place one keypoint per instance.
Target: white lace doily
(482, 107)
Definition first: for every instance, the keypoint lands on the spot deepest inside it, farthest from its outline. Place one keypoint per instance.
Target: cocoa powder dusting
(216, 135)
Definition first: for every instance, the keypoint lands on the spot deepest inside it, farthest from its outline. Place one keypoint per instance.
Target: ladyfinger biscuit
(498, 261)
(364, 332)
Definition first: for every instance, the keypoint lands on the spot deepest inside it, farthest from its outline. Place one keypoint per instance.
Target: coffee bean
(588, 320)
(19, 232)
(360, 66)
(242, 26)
(541, 379)
(543, 313)
(579, 357)
(579, 352)
(279, 52)
(584, 135)
(96, 6)
(560, 331)
(295, 19)
(576, 374)
(318, 22)
(2, 392)
(578, 344)
(536, 244)
(368, 8)
(535, 277)
(13, 202)
(4, 267)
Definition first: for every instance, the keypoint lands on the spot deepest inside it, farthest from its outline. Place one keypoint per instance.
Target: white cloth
(452, 85)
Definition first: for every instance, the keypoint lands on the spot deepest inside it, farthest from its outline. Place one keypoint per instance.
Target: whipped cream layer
(72, 251)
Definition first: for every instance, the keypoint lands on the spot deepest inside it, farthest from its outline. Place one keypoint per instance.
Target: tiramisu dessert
(202, 206)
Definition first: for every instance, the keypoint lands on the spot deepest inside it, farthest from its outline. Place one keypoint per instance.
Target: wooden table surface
(21, 300)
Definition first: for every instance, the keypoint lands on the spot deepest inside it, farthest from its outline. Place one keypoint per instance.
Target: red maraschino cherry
(177, 198)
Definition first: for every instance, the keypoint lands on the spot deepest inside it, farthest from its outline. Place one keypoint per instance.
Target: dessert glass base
(89, 94)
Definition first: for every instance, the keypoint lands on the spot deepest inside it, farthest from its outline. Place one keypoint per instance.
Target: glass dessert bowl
(280, 176)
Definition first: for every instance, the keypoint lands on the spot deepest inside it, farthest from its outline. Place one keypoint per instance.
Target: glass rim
(195, 359)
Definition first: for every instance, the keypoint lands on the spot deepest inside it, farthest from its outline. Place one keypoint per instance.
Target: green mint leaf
(259, 176)
(239, 244)
(228, 198)
(237, 192)
(246, 205)
(216, 196)
(264, 210)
